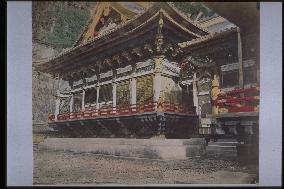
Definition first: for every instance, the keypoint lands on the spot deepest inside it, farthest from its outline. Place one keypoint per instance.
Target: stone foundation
(166, 149)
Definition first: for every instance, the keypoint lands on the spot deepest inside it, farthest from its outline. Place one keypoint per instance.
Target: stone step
(223, 143)
(223, 153)
(124, 141)
(222, 156)
(220, 148)
(226, 140)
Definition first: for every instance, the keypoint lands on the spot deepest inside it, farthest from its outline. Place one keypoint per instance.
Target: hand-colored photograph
(144, 93)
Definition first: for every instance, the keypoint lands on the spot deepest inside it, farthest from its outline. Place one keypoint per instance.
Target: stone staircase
(222, 148)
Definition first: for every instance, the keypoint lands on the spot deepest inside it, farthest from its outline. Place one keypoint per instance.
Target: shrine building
(145, 69)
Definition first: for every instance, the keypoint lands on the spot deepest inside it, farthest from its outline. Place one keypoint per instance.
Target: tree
(196, 10)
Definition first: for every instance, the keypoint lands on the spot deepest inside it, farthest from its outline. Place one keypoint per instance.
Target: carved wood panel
(144, 89)
(123, 92)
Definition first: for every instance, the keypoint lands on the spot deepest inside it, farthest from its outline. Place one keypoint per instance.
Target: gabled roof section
(115, 12)
(123, 12)
(174, 20)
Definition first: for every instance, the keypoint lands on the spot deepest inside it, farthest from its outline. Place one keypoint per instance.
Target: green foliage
(193, 8)
(68, 26)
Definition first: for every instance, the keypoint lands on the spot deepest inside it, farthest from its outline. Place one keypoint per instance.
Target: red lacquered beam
(94, 113)
(112, 111)
(140, 107)
(182, 109)
(79, 114)
(167, 106)
(87, 114)
(124, 109)
(173, 107)
(72, 115)
(67, 116)
(237, 91)
(51, 117)
(148, 107)
(133, 108)
(242, 109)
(60, 117)
(241, 99)
(158, 104)
(103, 112)
(176, 107)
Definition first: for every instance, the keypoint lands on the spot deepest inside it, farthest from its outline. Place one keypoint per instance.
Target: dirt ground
(58, 167)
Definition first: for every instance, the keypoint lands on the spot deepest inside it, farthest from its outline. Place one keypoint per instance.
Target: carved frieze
(107, 62)
(148, 48)
(91, 79)
(235, 66)
(106, 75)
(229, 67)
(77, 83)
(117, 59)
(124, 71)
(170, 68)
(137, 51)
(126, 55)
(144, 66)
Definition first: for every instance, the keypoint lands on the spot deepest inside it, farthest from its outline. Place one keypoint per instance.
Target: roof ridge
(121, 25)
(184, 16)
(205, 37)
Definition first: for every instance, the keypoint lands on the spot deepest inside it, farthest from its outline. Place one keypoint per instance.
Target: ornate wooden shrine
(124, 74)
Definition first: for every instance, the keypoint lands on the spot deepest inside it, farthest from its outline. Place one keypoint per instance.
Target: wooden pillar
(240, 59)
(133, 91)
(114, 94)
(215, 91)
(157, 81)
(195, 94)
(71, 103)
(83, 100)
(57, 106)
(57, 101)
(98, 94)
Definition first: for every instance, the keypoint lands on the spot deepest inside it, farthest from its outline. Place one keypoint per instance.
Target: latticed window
(77, 107)
(64, 105)
(123, 93)
(144, 89)
(91, 96)
(105, 96)
(171, 91)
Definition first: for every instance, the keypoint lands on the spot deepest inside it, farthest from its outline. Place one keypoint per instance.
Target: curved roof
(122, 32)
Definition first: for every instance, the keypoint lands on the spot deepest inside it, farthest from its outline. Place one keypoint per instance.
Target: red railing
(127, 109)
(239, 100)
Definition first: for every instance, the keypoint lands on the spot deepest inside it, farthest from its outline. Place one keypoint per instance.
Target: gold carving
(144, 89)
(123, 92)
(215, 92)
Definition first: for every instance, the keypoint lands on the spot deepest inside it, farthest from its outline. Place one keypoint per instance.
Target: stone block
(139, 148)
